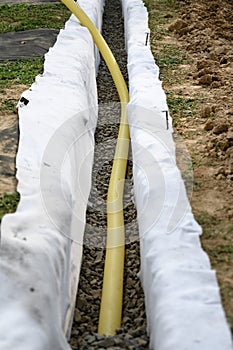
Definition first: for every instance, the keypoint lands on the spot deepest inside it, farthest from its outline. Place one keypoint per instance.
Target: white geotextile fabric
(182, 298)
(41, 244)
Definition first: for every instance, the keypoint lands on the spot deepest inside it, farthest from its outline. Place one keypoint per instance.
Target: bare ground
(204, 32)
(9, 140)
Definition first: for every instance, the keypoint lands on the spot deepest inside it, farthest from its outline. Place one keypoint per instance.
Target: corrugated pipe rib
(112, 291)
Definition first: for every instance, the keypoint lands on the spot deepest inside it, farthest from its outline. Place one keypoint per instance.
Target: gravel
(132, 334)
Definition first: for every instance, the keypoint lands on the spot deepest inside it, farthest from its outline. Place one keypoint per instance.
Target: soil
(204, 31)
(9, 141)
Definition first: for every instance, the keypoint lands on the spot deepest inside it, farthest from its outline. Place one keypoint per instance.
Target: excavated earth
(203, 32)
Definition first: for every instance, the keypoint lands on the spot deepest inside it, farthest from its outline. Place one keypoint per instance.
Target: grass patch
(180, 107)
(169, 55)
(9, 105)
(20, 72)
(219, 234)
(160, 12)
(208, 222)
(8, 203)
(217, 242)
(25, 17)
(164, 7)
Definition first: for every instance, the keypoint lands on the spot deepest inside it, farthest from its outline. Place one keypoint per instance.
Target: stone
(90, 339)
(106, 343)
(77, 316)
(142, 342)
(94, 281)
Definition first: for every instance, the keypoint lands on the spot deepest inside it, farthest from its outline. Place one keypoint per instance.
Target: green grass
(9, 105)
(219, 231)
(8, 203)
(217, 241)
(180, 107)
(207, 221)
(25, 17)
(160, 12)
(24, 71)
(19, 72)
(169, 55)
(163, 6)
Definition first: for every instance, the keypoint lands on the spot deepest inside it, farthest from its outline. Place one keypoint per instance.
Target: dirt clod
(209, 125)
(206, 111)
(205, 79)
(220, 128)
(177, 25)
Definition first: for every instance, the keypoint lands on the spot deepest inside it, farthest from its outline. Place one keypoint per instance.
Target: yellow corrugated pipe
(112, 291)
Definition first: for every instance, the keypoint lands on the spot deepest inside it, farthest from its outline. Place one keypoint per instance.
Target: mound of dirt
(206, 31)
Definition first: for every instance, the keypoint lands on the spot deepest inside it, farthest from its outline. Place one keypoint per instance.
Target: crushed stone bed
(132, 334)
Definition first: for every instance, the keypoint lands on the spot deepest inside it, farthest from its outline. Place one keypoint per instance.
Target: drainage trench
(132, 334)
